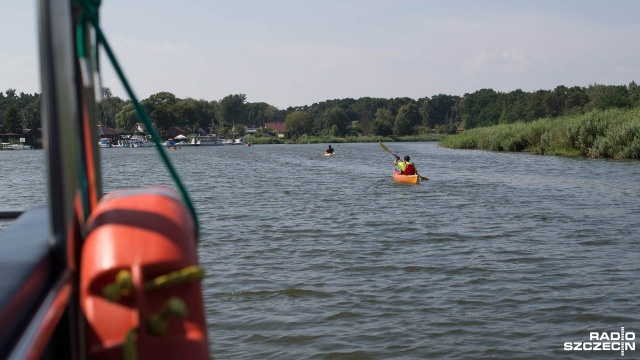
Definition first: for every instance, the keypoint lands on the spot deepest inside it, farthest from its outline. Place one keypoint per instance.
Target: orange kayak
(409, 179)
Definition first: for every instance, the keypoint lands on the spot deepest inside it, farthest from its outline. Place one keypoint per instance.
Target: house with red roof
(280, 129)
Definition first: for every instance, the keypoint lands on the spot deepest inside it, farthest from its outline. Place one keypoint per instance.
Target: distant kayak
(328, 154)
(408, 179)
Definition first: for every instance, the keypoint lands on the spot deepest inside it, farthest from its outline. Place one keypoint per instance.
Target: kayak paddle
(385, 148)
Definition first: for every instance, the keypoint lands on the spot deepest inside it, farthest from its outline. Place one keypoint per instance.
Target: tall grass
(613, 133)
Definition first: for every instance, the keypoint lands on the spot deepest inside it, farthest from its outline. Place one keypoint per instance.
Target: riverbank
(306, 139)
(613, 133)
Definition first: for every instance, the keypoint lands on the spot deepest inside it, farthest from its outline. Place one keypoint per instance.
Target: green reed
(613, 133)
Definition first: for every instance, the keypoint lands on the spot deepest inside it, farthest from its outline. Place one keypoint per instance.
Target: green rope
(90, 10)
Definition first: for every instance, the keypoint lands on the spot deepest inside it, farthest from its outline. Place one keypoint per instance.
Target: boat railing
(10, 214)
(36, 293)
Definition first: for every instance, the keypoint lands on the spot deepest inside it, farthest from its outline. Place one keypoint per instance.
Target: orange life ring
(139, 280)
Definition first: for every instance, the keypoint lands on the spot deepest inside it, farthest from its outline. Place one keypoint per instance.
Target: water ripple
(498, 256)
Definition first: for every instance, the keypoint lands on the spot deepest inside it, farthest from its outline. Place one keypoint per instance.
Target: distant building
(31, 135)
(106, 132)
(6, 136)
(175, 131)
(279, 128)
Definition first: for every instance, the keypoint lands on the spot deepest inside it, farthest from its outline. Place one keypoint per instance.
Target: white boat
(137, 143)
(21, 147)
(105, 143)
(205, 141)
(233, 142)
(140, 141)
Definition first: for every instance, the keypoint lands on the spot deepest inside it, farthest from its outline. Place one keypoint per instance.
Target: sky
(295, 53)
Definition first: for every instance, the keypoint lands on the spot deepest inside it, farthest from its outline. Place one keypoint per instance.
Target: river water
(497, 256)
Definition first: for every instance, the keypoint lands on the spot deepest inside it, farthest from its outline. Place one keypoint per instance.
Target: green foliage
(27, 107)
(439, 110)
(363, 117)
(336, 120)
(160, 108)
(108, 108)
(12, 120)
(354, 130)
(307, 139)
(554, 101)
(259, 113)
(407, 119)
(445, 129)
(395, 104)
(127, 117)
(634, 94)
(238, 131)
(381, 127)
(31, 115)
(193, 114)
(536, 108)
(232, 109)
(299, 123)
(576, 100)
(262, 139)
(606, 97)
(481, 108)
(613, 133)
(363, 111)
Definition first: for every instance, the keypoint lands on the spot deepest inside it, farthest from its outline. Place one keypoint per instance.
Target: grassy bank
(613, 133)
(306, 139)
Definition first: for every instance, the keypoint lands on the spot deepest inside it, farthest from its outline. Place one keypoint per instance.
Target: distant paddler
(329, 151)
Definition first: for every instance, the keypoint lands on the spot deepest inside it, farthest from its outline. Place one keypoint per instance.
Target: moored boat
(18, 147)
(138, 141)
(233, 142)
(407, 179)
(105, 143)
(205, 141)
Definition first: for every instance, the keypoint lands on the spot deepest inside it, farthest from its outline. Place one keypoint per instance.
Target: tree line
(340, 117)
(18, 112)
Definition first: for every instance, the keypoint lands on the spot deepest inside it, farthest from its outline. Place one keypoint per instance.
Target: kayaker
(406, 166)
(329, 150)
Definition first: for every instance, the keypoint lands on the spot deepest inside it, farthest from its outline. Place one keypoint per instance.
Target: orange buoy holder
(140, 289)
